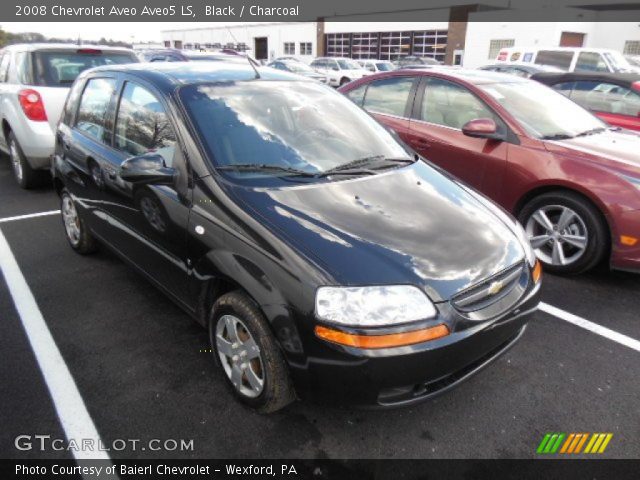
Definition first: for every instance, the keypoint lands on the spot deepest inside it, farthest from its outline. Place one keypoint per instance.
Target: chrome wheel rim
(71, 220)
(152, 213)
(240, 356)
(558, 235)
(15, 160)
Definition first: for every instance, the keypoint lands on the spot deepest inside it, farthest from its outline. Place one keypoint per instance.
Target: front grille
(504, 288)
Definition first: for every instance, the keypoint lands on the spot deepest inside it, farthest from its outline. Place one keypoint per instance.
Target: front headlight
(526, 244)
(373, 306)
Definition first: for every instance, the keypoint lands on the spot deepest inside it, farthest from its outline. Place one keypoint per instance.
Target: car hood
(411, 225)
(616, 148)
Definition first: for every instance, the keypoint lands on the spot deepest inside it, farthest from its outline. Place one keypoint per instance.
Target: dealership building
(472, 36)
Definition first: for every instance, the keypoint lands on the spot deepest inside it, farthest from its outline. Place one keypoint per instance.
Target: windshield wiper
(354, 167)
(258, 167)
(591, 131)
(557, 136)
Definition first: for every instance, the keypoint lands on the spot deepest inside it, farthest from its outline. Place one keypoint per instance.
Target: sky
(124, 31)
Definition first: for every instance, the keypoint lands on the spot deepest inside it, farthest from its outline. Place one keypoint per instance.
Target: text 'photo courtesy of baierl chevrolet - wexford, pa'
(289, 239)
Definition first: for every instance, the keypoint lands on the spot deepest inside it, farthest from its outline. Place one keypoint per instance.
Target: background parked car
(34, 83)
(403, 62)
(339, 70)
(298, 68)
(375, 66)
(521, 70)
(572, 181)
(568, 59)
(614, 97)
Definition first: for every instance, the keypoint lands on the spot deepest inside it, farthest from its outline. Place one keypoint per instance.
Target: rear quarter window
(94, 104)
(61, 68)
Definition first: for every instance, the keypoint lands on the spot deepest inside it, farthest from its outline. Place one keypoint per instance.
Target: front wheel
(248, 355)
(77, 233)
(566, 232)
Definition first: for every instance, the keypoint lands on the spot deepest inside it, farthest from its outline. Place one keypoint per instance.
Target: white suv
(339, 70)
(34, 83)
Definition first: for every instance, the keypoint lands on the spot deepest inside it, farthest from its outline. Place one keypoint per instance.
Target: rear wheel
(566, 231)
(78, 234)
(248, 355)
(26, 176)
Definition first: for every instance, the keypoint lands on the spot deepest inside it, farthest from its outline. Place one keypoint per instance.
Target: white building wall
(541, 34)
(276, 33)
(364, 26)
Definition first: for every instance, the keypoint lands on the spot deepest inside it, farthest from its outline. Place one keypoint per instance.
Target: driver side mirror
(147, 169)
(482, 128)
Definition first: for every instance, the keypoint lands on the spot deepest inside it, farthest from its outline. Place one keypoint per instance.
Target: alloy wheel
(558, 235)
(71, 220)
(240, 356)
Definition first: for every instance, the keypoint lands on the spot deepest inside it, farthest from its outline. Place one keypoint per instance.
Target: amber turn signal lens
(628, 241)
(537, 272)
(382, 341)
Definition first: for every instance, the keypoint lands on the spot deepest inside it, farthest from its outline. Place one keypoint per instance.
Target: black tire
(277, 391)
(597, 238)
(25, 176)
(344, 81)
(84, 243)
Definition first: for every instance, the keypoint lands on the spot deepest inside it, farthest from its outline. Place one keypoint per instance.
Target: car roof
(172, 74)
(475, 77)
(617, 78)
(30, 47)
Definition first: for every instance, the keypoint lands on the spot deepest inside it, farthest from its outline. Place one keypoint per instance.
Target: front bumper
(407, 375)
(624, 256)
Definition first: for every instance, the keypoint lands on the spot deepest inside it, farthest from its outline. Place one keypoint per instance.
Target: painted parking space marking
(30, 215)
(70, 407)
(592, 327)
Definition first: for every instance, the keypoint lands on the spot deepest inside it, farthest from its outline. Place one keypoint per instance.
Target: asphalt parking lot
(140, 369)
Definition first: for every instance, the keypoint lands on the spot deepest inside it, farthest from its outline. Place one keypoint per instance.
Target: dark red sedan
(571, 179)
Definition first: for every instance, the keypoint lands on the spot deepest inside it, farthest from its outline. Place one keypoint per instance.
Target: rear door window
(555, 58)
(389, 96)
(143, 126)
(94, 104)
(4, 66)
(61, 68)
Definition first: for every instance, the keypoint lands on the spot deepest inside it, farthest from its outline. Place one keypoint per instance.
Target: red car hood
(619, 149)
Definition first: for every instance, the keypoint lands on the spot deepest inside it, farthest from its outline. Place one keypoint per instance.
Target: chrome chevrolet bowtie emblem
(495, 288)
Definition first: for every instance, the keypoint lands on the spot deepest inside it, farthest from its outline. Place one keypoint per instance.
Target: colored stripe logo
(574, 443)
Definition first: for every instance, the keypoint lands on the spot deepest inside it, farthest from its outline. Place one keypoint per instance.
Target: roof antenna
(251, 62)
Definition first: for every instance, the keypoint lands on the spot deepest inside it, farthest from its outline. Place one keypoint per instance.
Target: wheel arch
(581, 192)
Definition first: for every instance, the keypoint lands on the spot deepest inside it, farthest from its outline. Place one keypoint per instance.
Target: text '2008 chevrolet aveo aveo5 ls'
(325, 258)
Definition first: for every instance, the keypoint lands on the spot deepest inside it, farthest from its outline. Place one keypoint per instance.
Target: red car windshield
(541, 111)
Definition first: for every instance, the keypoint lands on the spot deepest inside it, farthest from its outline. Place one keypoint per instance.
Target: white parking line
(72, 412)
(592, 327)
(30, 215)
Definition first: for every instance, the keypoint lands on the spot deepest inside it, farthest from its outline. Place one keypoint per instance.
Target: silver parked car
(34, 83)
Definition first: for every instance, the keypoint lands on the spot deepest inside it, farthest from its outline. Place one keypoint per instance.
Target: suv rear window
(60, 68)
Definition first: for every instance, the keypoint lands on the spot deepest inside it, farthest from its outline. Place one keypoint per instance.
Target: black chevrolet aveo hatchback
(326, 260)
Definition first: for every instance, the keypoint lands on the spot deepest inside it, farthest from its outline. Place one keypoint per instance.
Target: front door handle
(422, 144)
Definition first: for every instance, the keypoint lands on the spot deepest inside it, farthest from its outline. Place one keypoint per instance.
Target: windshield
(60, 68)
(385, 66)
(301, 126)
(348, 65)
(543, 112)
